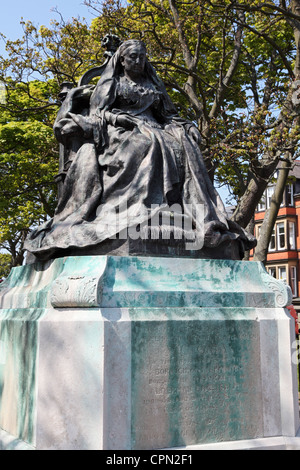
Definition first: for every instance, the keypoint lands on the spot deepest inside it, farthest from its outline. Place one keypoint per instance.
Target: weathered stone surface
(198, 379)
(143, 353)
(113, 281)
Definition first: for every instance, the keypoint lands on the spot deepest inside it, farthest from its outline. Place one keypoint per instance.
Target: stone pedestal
(108, 352)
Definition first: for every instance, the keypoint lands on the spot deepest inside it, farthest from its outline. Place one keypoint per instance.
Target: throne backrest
(110, 42)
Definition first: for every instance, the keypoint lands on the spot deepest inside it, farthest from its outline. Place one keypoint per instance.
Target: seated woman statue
(135, 182)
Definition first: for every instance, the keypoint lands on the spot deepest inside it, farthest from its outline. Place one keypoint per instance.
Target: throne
(110, 42)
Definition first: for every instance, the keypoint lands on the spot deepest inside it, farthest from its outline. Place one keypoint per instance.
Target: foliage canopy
(231, 66)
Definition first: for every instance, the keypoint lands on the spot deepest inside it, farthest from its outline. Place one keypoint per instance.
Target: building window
(280, 235)
(292, 237)
(262, 204)
(272, 244)
(293, 280)
(287, 274)
(288, 198)
(283, 236)
(270, 192)
(289, 195)
(272, 271)
(282, 273)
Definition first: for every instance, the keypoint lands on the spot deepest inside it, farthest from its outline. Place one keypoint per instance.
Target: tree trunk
(252, 195)
(250, 229)
(261, 249)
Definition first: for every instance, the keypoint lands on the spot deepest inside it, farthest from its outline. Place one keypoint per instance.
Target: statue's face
(134, 60)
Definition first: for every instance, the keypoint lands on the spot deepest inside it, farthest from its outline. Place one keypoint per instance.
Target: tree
(234, 68)
(32, 71)
(231, 67)
(28, 163)
(5, 265)
(291, 105)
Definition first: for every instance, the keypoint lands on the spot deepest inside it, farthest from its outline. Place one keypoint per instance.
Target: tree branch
(223, 84)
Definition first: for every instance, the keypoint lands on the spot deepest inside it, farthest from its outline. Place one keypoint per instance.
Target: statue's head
(131, 43)
(132, 55)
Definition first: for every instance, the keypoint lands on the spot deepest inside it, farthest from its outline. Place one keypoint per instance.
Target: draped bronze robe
(121, 178)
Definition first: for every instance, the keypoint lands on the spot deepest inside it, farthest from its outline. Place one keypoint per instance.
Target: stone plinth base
(266, 443)
(104, 352)
(8, 442)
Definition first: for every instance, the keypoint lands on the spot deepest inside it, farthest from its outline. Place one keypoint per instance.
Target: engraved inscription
(195, 382)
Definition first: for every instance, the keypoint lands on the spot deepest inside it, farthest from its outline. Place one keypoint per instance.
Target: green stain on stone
(194, 337)
(195, 374)
(19, 335)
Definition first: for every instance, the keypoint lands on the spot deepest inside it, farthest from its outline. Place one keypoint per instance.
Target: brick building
(283, 260)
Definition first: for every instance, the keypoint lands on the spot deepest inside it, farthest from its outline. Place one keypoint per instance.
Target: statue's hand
(125, 121)
(68, 127)
(83, 123)
(83, 92)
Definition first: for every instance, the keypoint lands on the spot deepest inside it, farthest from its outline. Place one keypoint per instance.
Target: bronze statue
(130, 160)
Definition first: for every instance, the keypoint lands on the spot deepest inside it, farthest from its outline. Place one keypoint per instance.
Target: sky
(39, 12)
